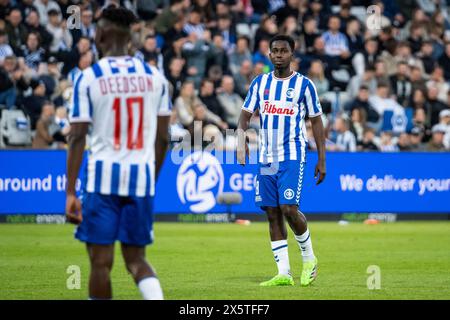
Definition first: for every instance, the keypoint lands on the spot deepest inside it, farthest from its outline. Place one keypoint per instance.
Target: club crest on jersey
(290, 93)
(288, 194)
(272, 108)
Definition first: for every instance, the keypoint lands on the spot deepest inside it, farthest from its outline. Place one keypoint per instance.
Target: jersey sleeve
(312, 101)
(81, 106)
(165, 103)
(251, 102)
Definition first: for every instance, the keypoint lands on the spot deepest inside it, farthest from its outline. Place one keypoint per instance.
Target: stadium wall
(33, 182)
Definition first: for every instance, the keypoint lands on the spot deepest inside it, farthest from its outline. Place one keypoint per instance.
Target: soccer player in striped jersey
(283, 98)
(126, 104)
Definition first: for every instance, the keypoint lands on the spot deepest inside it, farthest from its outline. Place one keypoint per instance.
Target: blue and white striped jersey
(121, 97)
(282, 104)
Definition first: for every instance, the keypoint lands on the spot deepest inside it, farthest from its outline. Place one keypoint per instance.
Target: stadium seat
(15, 129)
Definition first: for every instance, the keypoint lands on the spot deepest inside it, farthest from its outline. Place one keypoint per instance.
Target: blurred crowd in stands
(382, 74)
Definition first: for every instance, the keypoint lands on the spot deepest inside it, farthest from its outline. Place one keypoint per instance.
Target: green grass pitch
(227, 261)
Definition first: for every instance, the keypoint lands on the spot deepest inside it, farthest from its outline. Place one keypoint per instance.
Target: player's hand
(242, 152)
(320, 172)
(73, 209)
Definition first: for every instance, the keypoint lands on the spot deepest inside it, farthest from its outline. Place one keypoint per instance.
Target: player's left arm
(162, 131)
(314, 110)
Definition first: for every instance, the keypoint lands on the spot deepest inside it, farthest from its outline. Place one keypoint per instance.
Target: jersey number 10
(133, 143)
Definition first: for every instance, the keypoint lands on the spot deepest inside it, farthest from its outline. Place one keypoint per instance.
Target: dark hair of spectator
(173, 2)
(245, 38)
(53, 12)
(38, 36)
(283, 37)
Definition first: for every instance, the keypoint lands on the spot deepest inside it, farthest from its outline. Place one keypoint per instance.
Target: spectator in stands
(336, 44)
(16, 74)
(43, 7)
(417, 79)
(186, 105)
(416, 137)
(194, 24)
(267, 29)
(358, 123)
(173, 46)
(197, 52)
(149, 51)
(435, 106)
(87, 27)
(404, 142)
(354, 38)
(437, 81)
(209, 99)
(224, 27)
(436, 142)
(62, 39)
(47, 130)
(418, 100)
(25, 7)
(50, 74)
(416, 37)
(33, 53)
(400, 84)
(5, 48)
(345, 140)
(72, 57)
(308, 34)
(290, 27)
(240, 53)
(403, 53)
(426, 55)
(219, 56)
(7, 90)
(317, 75)
(244, 78)
(261, 56)
(85, 62)
(420, 121)
(444, 61)
(368, 141)
(33, 104)
(16, 30)
(319, 13)
(381, 102)
(230, 101)
(386, 143)
(367, 80)
(362, 102)
(290, 9)
(176, 76)
(444, 120)
(33, 24)
(207, 12)
(169, 16)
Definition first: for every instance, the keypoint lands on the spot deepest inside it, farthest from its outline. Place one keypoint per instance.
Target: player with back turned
(126, 104)
(283, 98)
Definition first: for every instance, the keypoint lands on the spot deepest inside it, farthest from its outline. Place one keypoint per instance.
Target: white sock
(305, 244)
(150, 289)
(280, 253)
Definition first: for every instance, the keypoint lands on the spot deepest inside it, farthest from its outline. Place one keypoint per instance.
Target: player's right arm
(77, 142)
(251, 103)
(80, 117)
